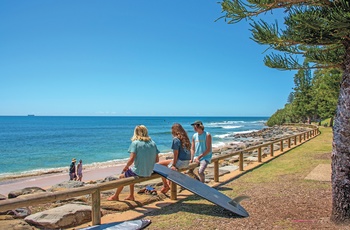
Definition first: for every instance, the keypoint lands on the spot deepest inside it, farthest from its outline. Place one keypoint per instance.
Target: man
(201, 148)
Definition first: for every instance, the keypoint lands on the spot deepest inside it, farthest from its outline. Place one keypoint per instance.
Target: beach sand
(46, 181)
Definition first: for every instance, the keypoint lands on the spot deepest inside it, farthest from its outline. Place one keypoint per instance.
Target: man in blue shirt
(201, 148)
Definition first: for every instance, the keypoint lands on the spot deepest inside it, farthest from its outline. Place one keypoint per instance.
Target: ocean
(39, 144)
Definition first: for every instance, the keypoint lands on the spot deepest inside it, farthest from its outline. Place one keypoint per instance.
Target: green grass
(297, 160)
(190, 212)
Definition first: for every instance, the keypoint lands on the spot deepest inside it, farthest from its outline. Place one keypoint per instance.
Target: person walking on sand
(201, 148)
(144, 154)
(72, 172)
(80, 170)
(181, 147)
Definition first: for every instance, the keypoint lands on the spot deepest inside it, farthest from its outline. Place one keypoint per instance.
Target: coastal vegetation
(314, 35)
(314, 98)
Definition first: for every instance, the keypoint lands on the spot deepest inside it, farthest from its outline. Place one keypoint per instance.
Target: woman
(181, 147)
(80, 170)
(144, 154)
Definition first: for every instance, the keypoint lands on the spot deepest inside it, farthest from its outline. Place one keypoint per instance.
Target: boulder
(17, 213)
(109, 178)
(65, 216)
(210, 174)
(66, 185)
(25, 191)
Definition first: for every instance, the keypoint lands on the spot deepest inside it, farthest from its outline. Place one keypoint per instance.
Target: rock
(15, 225)
(65, 216)
(251, 159)
(25, 191)
(109, 178)
(210, 174)
(124, 205)
(66, 185)
(3, 197)
(17, 213)
(233, 159)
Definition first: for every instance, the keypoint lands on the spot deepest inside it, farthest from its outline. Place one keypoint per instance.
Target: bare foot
(111, 198)
(130, 198)
(165, 190)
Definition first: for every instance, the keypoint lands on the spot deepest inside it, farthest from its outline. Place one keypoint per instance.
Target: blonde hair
(140, 133)
(178, 131)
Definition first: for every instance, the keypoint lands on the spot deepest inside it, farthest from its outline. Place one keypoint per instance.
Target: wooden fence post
(241, 161)
(216, 171)
(173, 192)
(281, 143)
(271, 149)
(96, 206)
(289, 142)
(259, 154)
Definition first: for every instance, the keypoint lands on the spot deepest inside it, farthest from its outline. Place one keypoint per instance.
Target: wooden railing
(95, 190)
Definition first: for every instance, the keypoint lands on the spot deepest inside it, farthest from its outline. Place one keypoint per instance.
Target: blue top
(200, 146)
(146, 153)
(184, 154)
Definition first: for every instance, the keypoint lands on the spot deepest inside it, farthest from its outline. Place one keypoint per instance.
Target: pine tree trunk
(331, 122)
(341, 150)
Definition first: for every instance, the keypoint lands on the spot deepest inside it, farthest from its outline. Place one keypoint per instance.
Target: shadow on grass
(190, 205)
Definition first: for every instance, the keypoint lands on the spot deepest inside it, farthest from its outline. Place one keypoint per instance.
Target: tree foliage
(326, 85)
(315, 32)
(314, 99)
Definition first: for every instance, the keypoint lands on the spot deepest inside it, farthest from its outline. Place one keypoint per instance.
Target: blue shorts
(129, 173)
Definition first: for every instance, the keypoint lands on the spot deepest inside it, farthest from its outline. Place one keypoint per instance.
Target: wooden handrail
(95, 189)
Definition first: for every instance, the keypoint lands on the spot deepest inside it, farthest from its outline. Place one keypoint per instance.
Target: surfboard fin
(238, 199)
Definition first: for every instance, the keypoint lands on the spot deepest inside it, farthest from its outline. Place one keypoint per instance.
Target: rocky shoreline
(76, 211)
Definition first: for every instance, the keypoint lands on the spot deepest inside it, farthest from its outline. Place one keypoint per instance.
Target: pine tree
(317, 32)
(303, 96)
(325, 91)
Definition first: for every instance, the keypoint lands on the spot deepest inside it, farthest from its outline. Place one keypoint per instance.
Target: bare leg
(165, 182)
(166, 186)
(202, 166)
(118, 191)
(165, 162)
(116, 194)
(131, 195)
(201, 177)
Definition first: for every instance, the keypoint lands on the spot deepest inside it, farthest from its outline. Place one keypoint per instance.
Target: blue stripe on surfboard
(122, 225)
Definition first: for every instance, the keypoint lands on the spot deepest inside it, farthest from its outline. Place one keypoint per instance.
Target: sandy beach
(46, 181)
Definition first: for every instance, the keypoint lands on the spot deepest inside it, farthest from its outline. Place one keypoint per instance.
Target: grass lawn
(280, 197)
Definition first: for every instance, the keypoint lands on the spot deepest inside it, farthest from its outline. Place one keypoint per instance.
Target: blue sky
(128, 58)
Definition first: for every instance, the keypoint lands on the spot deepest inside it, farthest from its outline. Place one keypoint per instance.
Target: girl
(144, 154)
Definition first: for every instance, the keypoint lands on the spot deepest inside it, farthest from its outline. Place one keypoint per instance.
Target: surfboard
(123, 225)
(203, 190)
